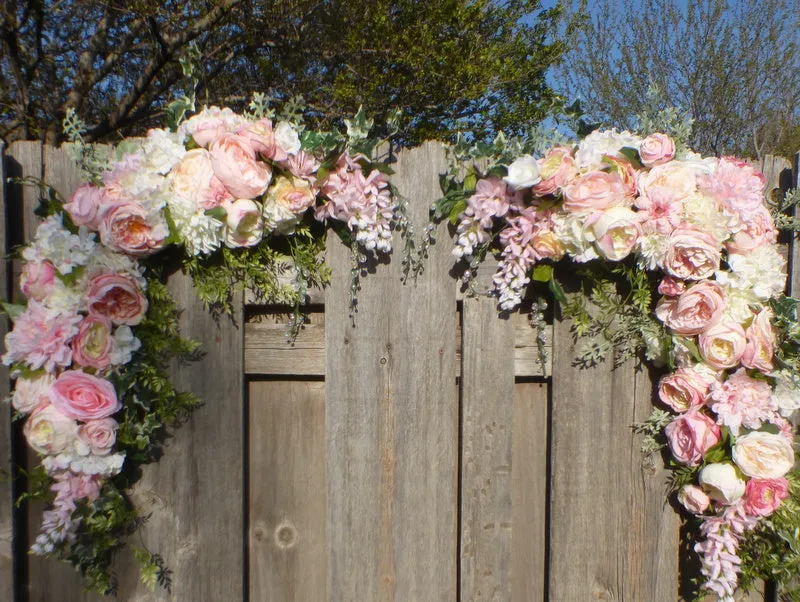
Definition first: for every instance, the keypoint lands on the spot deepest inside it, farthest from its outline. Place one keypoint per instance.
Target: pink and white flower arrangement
(221, 178)
(703, 226)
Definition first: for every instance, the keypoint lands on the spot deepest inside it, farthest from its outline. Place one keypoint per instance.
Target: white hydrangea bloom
(608, 142)
(106, 466)
(107, 260)
(54, 243)
(278, 217)
(569, 229)
(163, 150)
(763, 270)
(786, 395)
(201, 233)
(65, 299)
(125, 344)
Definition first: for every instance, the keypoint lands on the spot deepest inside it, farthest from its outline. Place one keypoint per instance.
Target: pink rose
(127, 227)
(656, 149)
(757, 231)
(244, 226)
(613, 231)
(84, 397)
(37, 279)
(671, 286)
(594, 190)
(117, 297)
(30, 393)
(691, 254)
(235, 164)
(84, 206)
(261, 137)
(93, 344)
(49, 431)
(761, 341)
(694, 311)
(625, 171)
(694, 499)
(686, 388)
(762, 497)
(556, 168)
(193, 179)
(690, 436)
(99, 435)
(722, 345)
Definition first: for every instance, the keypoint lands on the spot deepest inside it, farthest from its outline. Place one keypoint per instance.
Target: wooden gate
(413, 453)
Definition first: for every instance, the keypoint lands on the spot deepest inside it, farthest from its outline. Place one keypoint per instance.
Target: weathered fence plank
(195, 492)
(7, 538)
(487, 414)
(611, 534)
(288, 555)
(391, 418)
(529, 459)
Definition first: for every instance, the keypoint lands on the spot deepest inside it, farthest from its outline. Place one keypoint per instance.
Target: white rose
(614, 232)
(49, 432)
(763, 455)
(29, 393)
(286, 137)
(721, 483)
(523, 173)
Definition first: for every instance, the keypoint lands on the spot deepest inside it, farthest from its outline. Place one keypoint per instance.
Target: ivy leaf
(456, 210)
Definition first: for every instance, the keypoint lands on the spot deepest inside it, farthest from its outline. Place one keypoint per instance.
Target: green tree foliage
(734, 65)
(477, 64)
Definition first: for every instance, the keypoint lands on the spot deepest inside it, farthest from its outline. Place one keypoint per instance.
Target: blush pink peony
(41, 338)
(127, 227)
(761, 341)
(37, 279)
(762, 497)
(235, 164)
(686, 388)
(84, 205)
(696, 310)
(594, 191)
(742, 401)
(49, 431)
(117, 297)
(722, 345)
(93, 344)
(557, 168)
(691, 254)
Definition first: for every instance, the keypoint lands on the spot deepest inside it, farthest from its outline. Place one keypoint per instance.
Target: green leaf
(543, 272)
(557, 291)
(456, 210)
(14, 310)
(631, 154)
(217, 213)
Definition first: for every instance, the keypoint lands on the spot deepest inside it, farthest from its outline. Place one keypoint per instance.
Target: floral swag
(691, 271)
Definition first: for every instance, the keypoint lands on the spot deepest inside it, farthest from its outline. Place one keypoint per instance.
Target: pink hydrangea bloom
(742, 401)
(41, 338)
(736, 186)
(363, 202)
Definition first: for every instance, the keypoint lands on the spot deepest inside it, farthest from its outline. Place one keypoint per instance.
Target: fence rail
(416, 453)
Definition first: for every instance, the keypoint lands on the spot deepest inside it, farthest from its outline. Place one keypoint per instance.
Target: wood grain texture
(391, 418)
(487, 424)
(612, 536)
(195, 492)
(529, 492)
(288, 555)
(267, 350)
(6, 432)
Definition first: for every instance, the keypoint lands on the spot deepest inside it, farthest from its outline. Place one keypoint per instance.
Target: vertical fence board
(391, 418)
(60, 171)
(6, 433)
(286, 423)
(529, 492)
(195, 492)
(487, 414)
(611, 535)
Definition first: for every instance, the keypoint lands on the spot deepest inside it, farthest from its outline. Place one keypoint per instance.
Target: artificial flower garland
(87, 351)
(697, 230)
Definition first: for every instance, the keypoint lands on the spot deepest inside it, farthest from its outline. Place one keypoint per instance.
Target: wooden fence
(414, 454)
